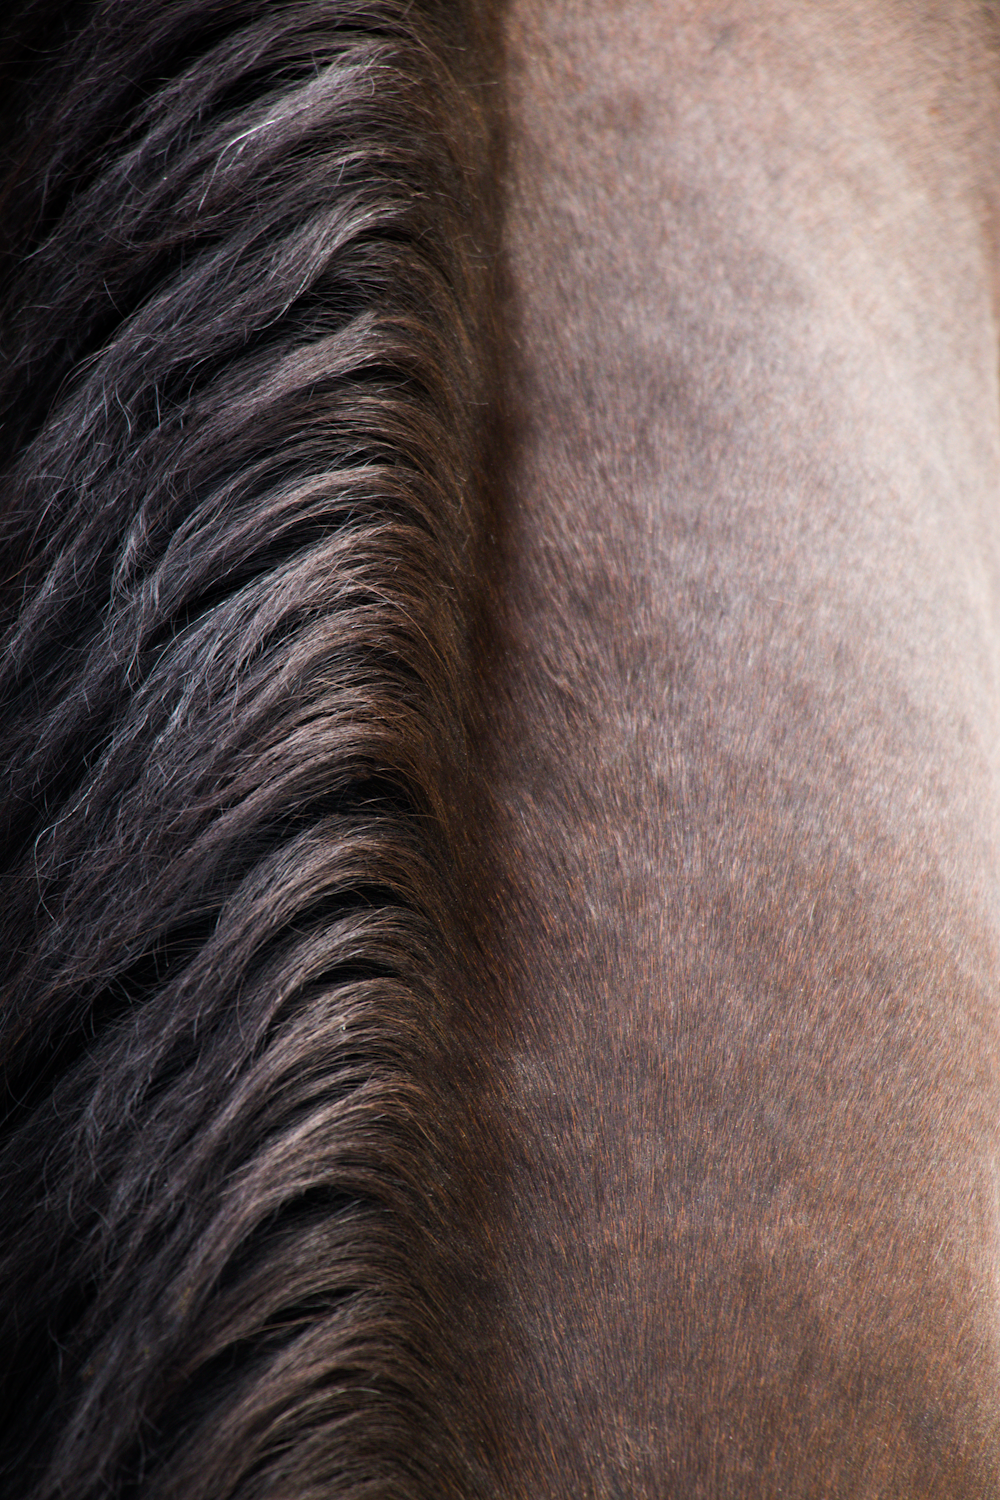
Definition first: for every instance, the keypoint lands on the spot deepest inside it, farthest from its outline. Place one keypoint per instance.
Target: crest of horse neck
(747, 784)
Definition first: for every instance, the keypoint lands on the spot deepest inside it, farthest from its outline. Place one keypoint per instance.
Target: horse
(501, 750)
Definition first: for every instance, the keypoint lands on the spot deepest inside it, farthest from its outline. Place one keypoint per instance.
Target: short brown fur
(742, 727)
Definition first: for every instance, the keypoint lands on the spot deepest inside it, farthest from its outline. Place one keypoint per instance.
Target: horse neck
(743, 749)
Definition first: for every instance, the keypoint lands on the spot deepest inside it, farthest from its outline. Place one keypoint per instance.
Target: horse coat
(501, 750)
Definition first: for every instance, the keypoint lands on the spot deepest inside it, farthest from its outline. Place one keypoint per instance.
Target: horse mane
(245, 280)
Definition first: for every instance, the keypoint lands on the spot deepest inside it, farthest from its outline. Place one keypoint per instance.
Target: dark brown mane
(241, 390)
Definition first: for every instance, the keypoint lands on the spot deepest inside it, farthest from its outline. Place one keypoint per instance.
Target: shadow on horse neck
(501, 751)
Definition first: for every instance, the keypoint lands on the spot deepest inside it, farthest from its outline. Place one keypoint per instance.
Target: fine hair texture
(243, 265)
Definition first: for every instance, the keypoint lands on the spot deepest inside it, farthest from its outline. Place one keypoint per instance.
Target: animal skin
(501, 750)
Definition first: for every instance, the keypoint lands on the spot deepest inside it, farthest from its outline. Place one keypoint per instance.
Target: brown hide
(741, 749)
